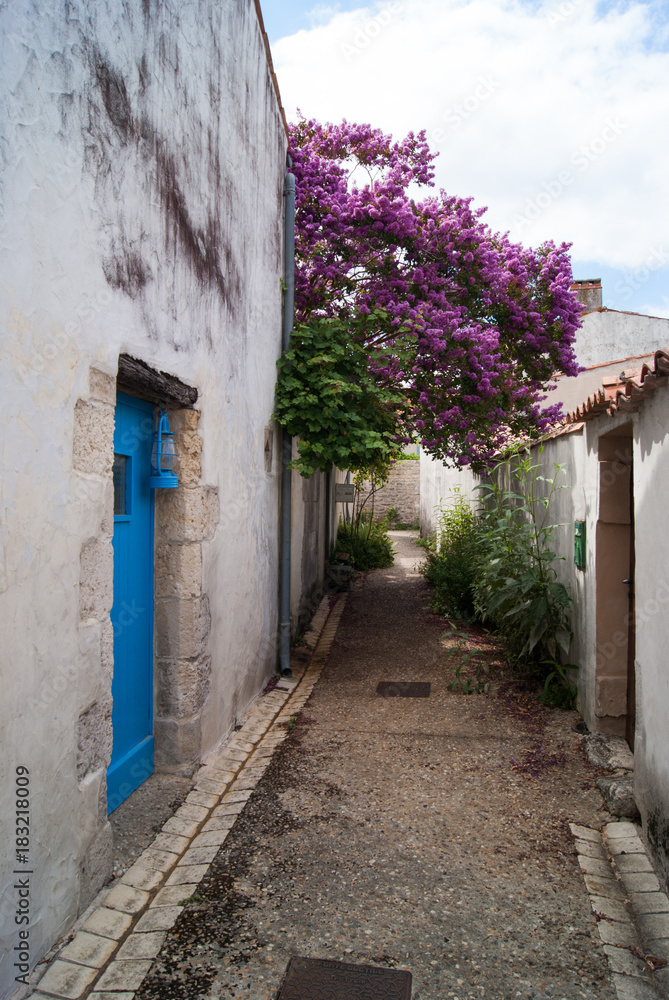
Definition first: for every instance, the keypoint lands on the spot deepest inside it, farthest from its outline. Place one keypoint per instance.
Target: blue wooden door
(132, 611)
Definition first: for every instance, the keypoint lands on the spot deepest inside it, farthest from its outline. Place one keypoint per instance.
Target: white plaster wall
(142, 213)
(651, 489)
(436, 484)
(608, 335)
(576, 500)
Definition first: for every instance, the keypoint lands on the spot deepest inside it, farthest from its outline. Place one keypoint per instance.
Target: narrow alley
(428, 834)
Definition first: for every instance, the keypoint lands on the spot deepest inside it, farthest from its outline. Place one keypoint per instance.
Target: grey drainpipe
(287, 442)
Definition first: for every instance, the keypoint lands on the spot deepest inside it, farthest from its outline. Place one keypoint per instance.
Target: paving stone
(107, 922)
(157, 918)
(588, 849)
(230, 753)
(654, 925)
(184, 874)
(633, 863)
(243, 745)
(246, 781)
(89, 949)
(625, 845)
(112, 996)
(649, 902)
(613, 909)
(618, 933)
(140, 877)
(183, 828)
(615, 830)
(216, 774)
(139, 946)
(225, 822)
(658, 947)
(171, 842)
(238, 796)
(204, 799)
(632, 988)
(592, 866)
(173, 895)
(641, 882)
(65, 979)
(191, 813)
(126, 898)
(211, 787)
(212, 838)
(161, 860)
(622, 960)
(228, 809)
(607, 887)
(124, 975)
(202, 855)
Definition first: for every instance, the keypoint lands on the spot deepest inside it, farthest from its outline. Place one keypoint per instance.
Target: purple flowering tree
(488, 322)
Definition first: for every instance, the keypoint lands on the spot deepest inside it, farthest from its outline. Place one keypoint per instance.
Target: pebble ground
(426, 834)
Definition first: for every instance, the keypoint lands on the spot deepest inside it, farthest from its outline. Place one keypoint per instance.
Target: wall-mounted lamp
(163, 455)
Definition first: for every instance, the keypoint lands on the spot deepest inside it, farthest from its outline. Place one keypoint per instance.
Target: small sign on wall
(344, 493)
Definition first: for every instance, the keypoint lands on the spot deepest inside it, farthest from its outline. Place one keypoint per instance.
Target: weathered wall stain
(204, 247)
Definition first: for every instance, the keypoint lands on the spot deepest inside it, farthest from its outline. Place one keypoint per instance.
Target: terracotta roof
(626, 393)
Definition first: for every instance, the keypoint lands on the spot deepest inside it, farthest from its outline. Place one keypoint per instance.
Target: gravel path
(426, 834)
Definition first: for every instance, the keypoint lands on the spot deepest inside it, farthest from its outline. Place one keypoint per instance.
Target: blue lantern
(163, 455)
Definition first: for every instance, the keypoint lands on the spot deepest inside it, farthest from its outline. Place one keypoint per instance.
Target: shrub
(450, 562)
(497, 565)
(367, 543)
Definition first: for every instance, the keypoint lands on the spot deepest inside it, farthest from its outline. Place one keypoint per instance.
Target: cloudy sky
(553, 113)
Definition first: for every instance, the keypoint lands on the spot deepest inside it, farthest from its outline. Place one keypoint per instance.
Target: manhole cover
(320, 979)
(404, 689)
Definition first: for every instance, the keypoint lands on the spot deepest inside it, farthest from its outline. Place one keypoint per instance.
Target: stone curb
(631, 911)
(112, 951)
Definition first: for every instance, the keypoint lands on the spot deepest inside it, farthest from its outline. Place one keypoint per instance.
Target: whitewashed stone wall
(144, 157)
(402, 493)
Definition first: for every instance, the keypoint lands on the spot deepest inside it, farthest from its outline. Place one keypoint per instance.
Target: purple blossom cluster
(489, 322)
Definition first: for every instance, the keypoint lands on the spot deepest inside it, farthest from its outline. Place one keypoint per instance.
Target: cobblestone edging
(112, 952)
(631, 910)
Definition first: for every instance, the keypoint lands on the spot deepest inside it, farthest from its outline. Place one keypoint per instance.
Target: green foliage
(516, 586)
(367, 543)
(450, 563)
(331, 397)
(497, 565)
(465, 685)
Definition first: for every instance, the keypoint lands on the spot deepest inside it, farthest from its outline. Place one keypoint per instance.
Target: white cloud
(553, 115)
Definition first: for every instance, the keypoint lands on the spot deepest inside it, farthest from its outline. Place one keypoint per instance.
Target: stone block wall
(402, 493)
(184, 519)
(93, 456)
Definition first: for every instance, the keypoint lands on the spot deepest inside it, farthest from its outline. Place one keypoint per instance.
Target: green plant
(516, 585)
(450, 565)
(558, 689)
(330, 396)
(367, 543)
(465, 685)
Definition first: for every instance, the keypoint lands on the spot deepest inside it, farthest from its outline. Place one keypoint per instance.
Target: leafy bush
(329, 395)
(516, 585)
(451, 562)
(498, 566)
(369, 546)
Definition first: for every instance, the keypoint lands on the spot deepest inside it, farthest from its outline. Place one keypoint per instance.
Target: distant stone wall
(402, 493)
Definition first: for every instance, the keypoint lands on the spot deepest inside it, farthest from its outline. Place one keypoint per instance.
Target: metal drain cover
(320, 979)
(404, 689)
